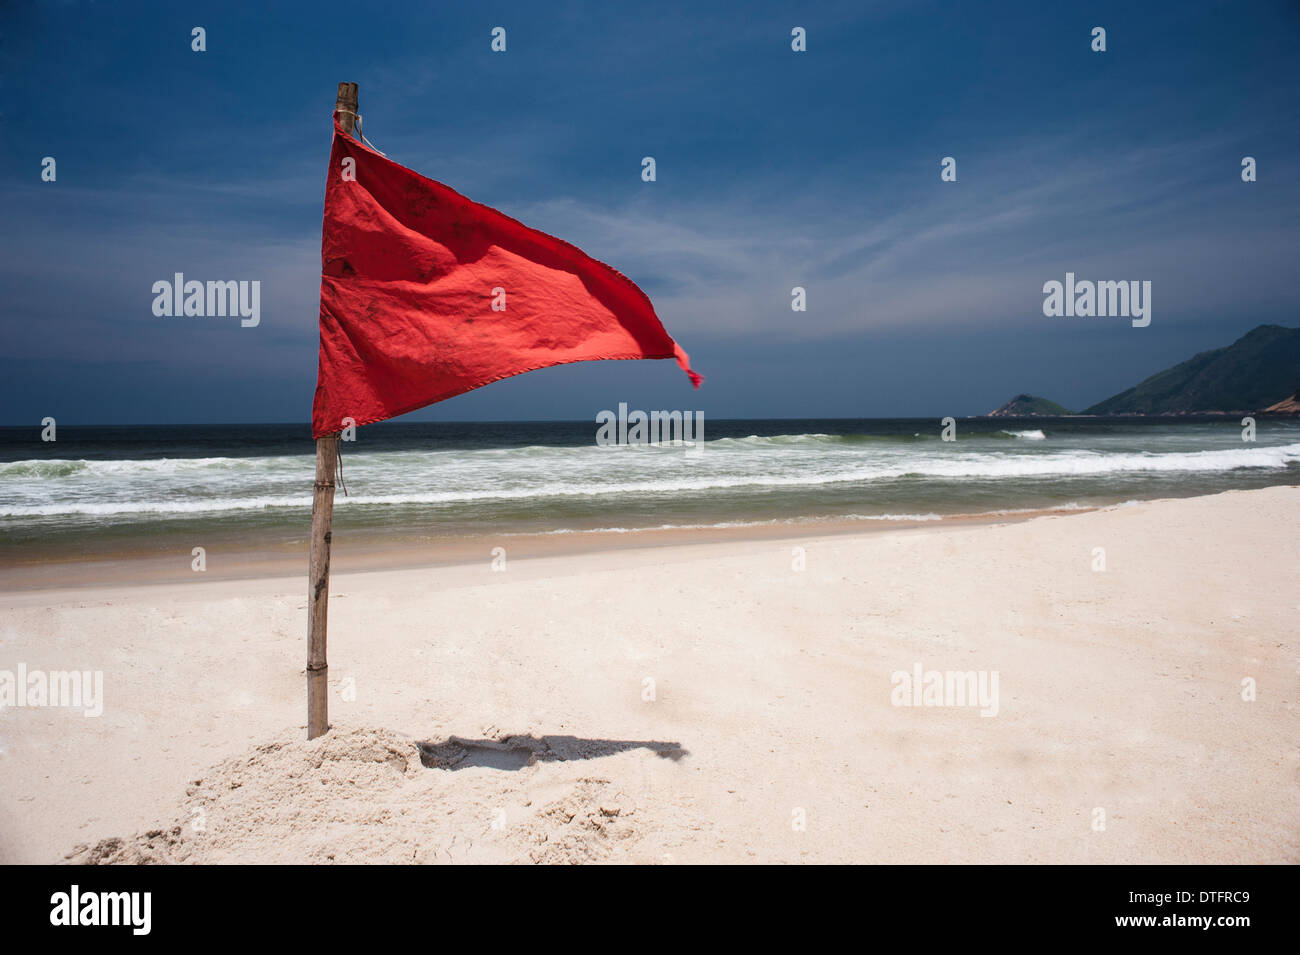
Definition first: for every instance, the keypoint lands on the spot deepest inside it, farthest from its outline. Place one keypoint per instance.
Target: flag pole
(322, 519)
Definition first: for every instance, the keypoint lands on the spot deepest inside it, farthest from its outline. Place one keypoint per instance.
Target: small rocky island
(1026, 406)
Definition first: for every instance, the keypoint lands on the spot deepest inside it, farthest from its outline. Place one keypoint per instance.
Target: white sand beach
(696, 702)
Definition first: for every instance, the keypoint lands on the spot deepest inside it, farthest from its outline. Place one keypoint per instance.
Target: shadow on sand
(516, 752)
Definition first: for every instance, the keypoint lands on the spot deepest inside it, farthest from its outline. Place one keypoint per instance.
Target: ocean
(106, 488)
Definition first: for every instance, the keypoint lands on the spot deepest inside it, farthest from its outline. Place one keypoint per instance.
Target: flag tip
(684, 360)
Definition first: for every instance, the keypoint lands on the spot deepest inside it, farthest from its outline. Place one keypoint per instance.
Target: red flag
(410, 274)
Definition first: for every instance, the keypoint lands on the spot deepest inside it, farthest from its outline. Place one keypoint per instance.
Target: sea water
(435, 480)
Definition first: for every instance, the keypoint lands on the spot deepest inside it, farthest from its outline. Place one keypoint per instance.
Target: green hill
(1257, 370)
(1023, 405)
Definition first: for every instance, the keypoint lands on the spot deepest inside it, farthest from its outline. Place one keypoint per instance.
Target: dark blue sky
(775, 169)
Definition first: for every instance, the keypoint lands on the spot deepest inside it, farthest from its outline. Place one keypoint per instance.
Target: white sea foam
(158, 468)
(114, 508)
(54, 488)
(488, 483)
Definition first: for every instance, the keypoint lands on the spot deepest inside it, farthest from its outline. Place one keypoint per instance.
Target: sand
(700, 702)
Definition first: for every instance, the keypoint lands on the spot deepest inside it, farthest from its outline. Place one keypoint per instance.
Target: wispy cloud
(973, 252)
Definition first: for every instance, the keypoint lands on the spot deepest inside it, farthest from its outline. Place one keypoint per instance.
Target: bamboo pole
(322, 519)
(318, 585)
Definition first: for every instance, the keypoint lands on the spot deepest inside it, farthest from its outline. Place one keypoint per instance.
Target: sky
(775, 169)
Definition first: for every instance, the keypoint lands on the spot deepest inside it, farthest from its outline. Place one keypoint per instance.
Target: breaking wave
(714, 470)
